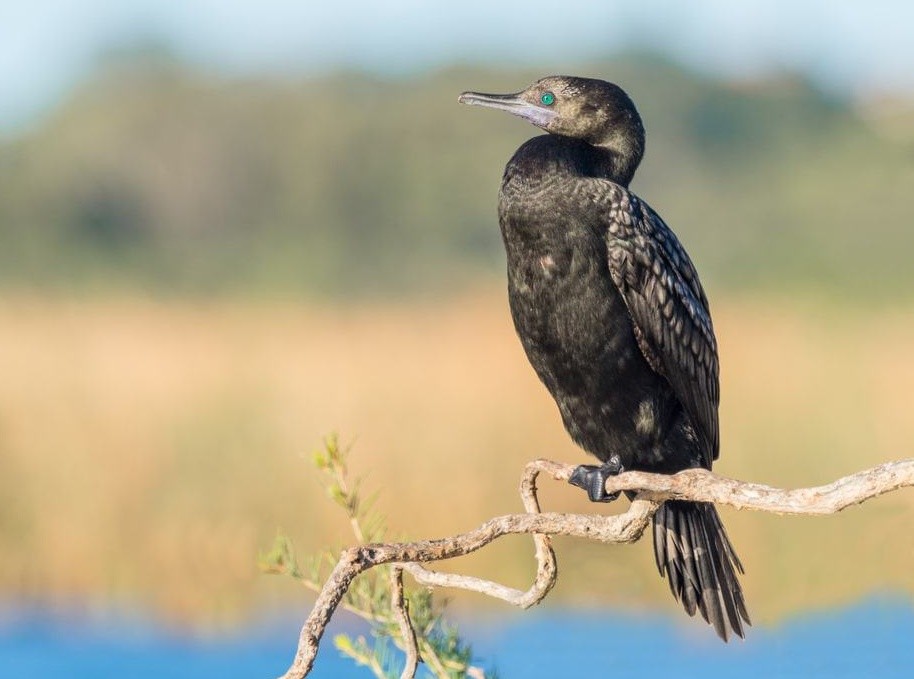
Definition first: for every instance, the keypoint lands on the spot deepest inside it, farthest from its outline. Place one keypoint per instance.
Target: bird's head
(595, 111)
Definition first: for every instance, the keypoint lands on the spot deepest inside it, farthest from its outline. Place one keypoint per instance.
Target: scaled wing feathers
(669, 309)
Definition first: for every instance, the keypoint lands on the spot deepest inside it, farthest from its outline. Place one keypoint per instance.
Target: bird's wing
(668, 306)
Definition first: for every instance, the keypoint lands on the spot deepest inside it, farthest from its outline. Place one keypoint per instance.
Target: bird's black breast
(572, 321)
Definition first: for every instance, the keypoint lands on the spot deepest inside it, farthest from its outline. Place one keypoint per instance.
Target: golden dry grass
(149, 450)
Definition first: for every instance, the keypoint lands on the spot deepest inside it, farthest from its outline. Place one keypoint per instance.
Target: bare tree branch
(653, 489)
(401, 609)
(702, 485)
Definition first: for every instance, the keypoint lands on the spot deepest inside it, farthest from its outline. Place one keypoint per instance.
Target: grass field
(149, 450)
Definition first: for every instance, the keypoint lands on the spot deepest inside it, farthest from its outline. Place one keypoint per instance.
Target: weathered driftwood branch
(698, 485)
(401, 608)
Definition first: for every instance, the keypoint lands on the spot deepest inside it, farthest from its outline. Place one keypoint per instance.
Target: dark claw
(592, 478)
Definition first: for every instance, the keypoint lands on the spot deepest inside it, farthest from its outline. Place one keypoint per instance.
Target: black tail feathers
(694, 553)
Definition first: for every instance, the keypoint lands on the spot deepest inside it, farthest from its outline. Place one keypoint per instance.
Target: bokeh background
(228, 230)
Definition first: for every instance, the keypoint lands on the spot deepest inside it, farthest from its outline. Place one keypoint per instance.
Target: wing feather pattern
(668, 306)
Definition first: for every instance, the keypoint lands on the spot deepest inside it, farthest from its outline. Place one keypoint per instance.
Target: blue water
(874, 638)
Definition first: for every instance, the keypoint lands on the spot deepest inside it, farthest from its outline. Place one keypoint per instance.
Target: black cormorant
(613, 318)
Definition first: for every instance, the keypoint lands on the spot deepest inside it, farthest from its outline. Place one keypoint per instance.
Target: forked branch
(652, 489)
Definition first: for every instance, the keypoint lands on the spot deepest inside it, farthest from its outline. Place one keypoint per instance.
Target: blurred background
(230, 229)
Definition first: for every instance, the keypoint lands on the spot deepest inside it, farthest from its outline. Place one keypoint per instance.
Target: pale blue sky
(857, 47)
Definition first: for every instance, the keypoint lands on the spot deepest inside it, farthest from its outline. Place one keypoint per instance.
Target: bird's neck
(545, 156)
(620, 155)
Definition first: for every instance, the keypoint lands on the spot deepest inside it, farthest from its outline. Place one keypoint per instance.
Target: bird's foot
(592, 478)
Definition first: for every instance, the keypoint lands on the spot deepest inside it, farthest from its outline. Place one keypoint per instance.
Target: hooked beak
(512, 103)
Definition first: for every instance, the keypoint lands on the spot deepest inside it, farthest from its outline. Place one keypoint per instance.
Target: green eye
(548, 98)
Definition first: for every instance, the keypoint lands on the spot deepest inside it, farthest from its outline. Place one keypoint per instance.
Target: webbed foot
(592, 478)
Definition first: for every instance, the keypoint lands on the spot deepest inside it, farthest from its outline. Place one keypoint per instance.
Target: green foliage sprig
(444, 654)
